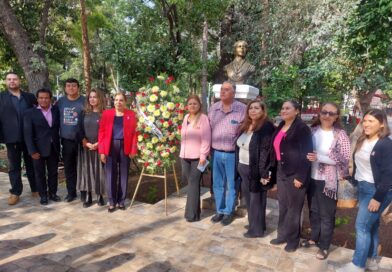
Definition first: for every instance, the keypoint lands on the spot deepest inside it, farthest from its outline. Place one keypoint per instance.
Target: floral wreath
(161, 111)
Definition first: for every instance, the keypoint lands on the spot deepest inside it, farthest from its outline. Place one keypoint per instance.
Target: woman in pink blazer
(117, 143)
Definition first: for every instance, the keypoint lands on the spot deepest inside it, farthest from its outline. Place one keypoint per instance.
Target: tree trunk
(264, 42)
(86, 47)
(204, 72)
(33, 64)
(169, 11)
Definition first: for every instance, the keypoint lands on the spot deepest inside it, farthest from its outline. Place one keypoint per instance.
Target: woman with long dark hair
(195, 147)
(330, 158)
(292, 141)
(253, 164)
(90, 169)
(373, 172)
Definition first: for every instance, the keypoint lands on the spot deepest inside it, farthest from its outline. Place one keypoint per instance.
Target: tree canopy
(301, 48)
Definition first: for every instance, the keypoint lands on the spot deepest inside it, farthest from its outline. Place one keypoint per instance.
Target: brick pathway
(67, 237)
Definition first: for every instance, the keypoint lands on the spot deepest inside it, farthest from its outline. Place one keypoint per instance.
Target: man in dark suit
(41, 131)
(13, 103)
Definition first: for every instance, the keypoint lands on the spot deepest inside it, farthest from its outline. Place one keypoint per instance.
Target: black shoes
(88, 200)
(227, 219)
(217, 218)
(276, 241)
(289, 249)
(250, 235)
(54, 198)
(44, 200)
(70, 198)
(192, 220)
(111, 209)
(101, 202)
(121, 207)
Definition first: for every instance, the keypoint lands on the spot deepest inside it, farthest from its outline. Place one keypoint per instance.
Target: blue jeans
(225, 187)
(367, 224)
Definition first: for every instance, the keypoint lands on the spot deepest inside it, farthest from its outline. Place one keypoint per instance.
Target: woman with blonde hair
(253, 149)
(195, 147)
(90, 173)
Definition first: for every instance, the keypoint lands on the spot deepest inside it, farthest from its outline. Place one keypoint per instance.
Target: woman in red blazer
(117, 143)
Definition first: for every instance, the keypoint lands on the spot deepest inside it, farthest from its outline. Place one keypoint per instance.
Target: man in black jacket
(13, 103)
(41, 131)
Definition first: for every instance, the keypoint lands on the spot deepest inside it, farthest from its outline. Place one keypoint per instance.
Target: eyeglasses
(330, 113)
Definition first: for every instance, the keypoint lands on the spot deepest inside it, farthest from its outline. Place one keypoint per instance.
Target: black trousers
(256, 203)
(291, 201)
(193, 176)
(322, 210)
(47, 182)
(14, 154)
(70, 158)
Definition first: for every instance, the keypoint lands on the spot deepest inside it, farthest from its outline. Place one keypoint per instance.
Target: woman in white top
(330, 158)
(253, 165)
(373, 172)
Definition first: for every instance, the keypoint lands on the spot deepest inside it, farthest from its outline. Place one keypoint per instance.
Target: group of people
(250, 156)
(247, 152)
(95, 144)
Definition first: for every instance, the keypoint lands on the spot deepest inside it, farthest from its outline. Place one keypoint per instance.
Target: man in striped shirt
(225, 118)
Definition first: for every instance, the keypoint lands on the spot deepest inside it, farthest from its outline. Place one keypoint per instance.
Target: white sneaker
(350, 267)
(372, 264)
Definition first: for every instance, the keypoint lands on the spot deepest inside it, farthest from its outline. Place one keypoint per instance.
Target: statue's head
(240, 48)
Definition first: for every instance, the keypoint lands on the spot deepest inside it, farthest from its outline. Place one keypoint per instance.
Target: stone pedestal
(242, 91)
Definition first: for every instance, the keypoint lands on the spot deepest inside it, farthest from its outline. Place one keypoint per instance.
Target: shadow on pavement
(67, 260)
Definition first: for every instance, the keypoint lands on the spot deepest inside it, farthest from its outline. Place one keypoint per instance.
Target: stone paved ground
(66, 237)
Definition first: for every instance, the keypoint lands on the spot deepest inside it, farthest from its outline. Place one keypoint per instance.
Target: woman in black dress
(91, 174)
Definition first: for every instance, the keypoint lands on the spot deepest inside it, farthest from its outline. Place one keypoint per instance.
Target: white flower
(157, 113)
(176, 90)
(170, 106)
(151, 108)
(153, 98)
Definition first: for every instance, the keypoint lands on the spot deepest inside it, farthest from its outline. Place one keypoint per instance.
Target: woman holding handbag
(330, 158)
(373, 172)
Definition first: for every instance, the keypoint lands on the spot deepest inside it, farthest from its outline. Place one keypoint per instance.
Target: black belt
(224, 151)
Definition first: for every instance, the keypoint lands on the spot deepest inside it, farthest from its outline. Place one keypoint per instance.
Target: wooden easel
(164, 177)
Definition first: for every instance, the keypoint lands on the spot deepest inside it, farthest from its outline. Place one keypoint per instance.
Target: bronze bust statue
(239, 70)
